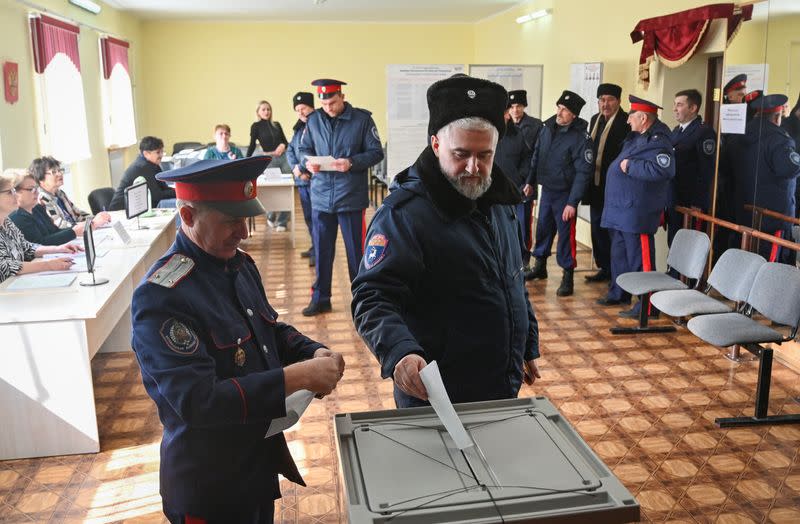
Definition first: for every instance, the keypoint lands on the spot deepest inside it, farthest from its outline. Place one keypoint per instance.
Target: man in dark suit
(147, 165)
(608, 129)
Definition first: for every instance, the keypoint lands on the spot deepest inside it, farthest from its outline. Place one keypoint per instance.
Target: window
(118, 118)
(62, 111)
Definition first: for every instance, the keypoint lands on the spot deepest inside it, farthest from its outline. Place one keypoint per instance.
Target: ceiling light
(541, 13)
(88, 5)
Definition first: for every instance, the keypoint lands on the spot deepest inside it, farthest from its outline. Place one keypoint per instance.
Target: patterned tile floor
(645, 404)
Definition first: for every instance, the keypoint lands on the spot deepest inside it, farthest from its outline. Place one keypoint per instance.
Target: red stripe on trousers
(573, 246)
(529, 242)
(773, 254)
(645, 240)
(363, 230)
(188, 519)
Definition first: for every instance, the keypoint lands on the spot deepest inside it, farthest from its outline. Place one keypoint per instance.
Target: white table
(277, 194)
(49, 336)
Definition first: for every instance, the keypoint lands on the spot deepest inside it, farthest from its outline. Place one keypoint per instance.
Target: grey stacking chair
(732, 277)
(775, 295)
(687, 256)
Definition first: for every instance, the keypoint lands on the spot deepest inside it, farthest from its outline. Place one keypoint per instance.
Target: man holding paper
(214, 357)
(441, 278)
(339, 145)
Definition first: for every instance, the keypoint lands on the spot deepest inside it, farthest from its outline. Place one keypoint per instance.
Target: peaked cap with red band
(327, 87)
(640, 104)
(229, 186)
(737, 82)
(769, 103)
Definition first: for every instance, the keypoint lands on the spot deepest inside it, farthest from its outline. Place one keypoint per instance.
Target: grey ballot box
(528, 465)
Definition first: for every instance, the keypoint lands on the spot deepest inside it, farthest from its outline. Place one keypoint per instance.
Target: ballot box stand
(528, 464)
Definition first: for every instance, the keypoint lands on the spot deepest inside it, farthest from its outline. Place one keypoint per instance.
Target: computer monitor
(91, 254)
(136, 200)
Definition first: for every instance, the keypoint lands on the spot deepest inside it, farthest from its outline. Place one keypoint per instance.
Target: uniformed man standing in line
(609, 128)
(514, 159)
(562, 163)
(214, 357)
(765, 165)
(530, 127)
(695, 145)
(637, 192)
(441, 277)
(303, 103)
(735, 90)
(339, 196)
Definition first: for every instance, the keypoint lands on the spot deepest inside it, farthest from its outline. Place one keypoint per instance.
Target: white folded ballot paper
(325, 162)
(440, 401)
(296, 405)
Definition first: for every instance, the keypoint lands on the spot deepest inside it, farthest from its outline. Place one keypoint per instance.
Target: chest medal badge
(239, 358)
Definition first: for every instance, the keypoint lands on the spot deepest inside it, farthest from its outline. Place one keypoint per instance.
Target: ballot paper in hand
(440, 401)
(325, 162)
(296, 404)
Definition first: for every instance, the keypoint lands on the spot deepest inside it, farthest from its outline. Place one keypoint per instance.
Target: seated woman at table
(62, 212)
(31, 218)
(223, 150)
(17, 254)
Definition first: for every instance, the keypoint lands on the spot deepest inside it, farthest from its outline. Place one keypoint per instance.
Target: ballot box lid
(528, 463)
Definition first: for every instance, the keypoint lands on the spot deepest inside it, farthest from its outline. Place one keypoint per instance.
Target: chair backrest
(180, 146)
(99, 199)
(776, 293)
(734, 273)
(689, 253)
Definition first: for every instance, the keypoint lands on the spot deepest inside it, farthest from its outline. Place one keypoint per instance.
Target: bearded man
(441, 278)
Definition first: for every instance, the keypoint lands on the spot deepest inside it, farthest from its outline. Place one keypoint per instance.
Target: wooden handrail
(770, 213)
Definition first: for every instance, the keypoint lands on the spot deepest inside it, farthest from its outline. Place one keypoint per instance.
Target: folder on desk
(27, 282)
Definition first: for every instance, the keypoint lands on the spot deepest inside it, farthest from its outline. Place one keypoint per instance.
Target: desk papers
(40, 281)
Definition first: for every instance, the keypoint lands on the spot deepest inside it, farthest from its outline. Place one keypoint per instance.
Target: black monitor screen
(88, 244)
(136, 200)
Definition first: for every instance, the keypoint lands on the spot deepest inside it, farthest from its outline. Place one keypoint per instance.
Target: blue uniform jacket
(215, 402)
(530, 127)
(636, 200)
(513, 155)
(695, 156)
(351, 135)
(765, 165)
(442, 277)
(563, 160)
(293, 152)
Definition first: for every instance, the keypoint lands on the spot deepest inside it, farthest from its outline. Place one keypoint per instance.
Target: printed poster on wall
(407, 107)
(584, 80)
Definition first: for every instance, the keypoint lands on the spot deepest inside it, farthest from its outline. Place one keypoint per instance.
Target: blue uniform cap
(229, 186)
(769, 103)
(640, 104)
(737, 82)
(327, 87)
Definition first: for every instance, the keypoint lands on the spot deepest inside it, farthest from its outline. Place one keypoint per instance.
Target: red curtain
(675, 37)
(50, 37)
(114, 52)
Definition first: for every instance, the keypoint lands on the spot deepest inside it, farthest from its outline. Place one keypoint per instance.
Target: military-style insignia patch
(512, 97)
(663, 160)
(376, 250)
(471, 93)
(708, 146)
(239, 358)
(375, 133)
(249, 189)
(179, 337)
(298, 97)
(588, 156)
(795, 158)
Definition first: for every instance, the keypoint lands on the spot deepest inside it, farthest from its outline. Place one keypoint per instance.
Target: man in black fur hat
(441, 278)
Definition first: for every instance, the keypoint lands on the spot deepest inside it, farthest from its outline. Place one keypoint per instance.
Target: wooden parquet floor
(645, 404)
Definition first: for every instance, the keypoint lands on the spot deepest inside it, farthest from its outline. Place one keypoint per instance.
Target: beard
(466, 186)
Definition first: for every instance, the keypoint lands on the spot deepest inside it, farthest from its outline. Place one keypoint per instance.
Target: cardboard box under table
(528, 464)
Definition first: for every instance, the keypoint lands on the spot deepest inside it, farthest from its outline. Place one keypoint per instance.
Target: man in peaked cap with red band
(214, 357)
(637, 192)
(339, 196)
(441, 277)
(734, 91)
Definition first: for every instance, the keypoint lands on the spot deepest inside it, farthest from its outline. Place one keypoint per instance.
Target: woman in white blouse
(17, 255)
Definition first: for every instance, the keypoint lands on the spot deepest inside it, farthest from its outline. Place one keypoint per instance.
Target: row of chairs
(749, 284)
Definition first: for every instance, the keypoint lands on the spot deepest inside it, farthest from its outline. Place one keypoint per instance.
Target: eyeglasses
(11, 191)
(32, 189)
(56, 171)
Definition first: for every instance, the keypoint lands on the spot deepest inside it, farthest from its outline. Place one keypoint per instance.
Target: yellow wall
(18, 136)
(199, 74)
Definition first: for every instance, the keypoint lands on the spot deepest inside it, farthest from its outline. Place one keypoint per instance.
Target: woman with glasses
(17, 255)
(62, 212)
(32, 219)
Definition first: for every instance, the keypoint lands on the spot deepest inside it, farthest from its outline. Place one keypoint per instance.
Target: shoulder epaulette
(173, 271)
(398, 197)
(367, 111)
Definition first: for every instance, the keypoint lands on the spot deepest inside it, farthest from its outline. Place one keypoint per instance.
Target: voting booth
(527, 464)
